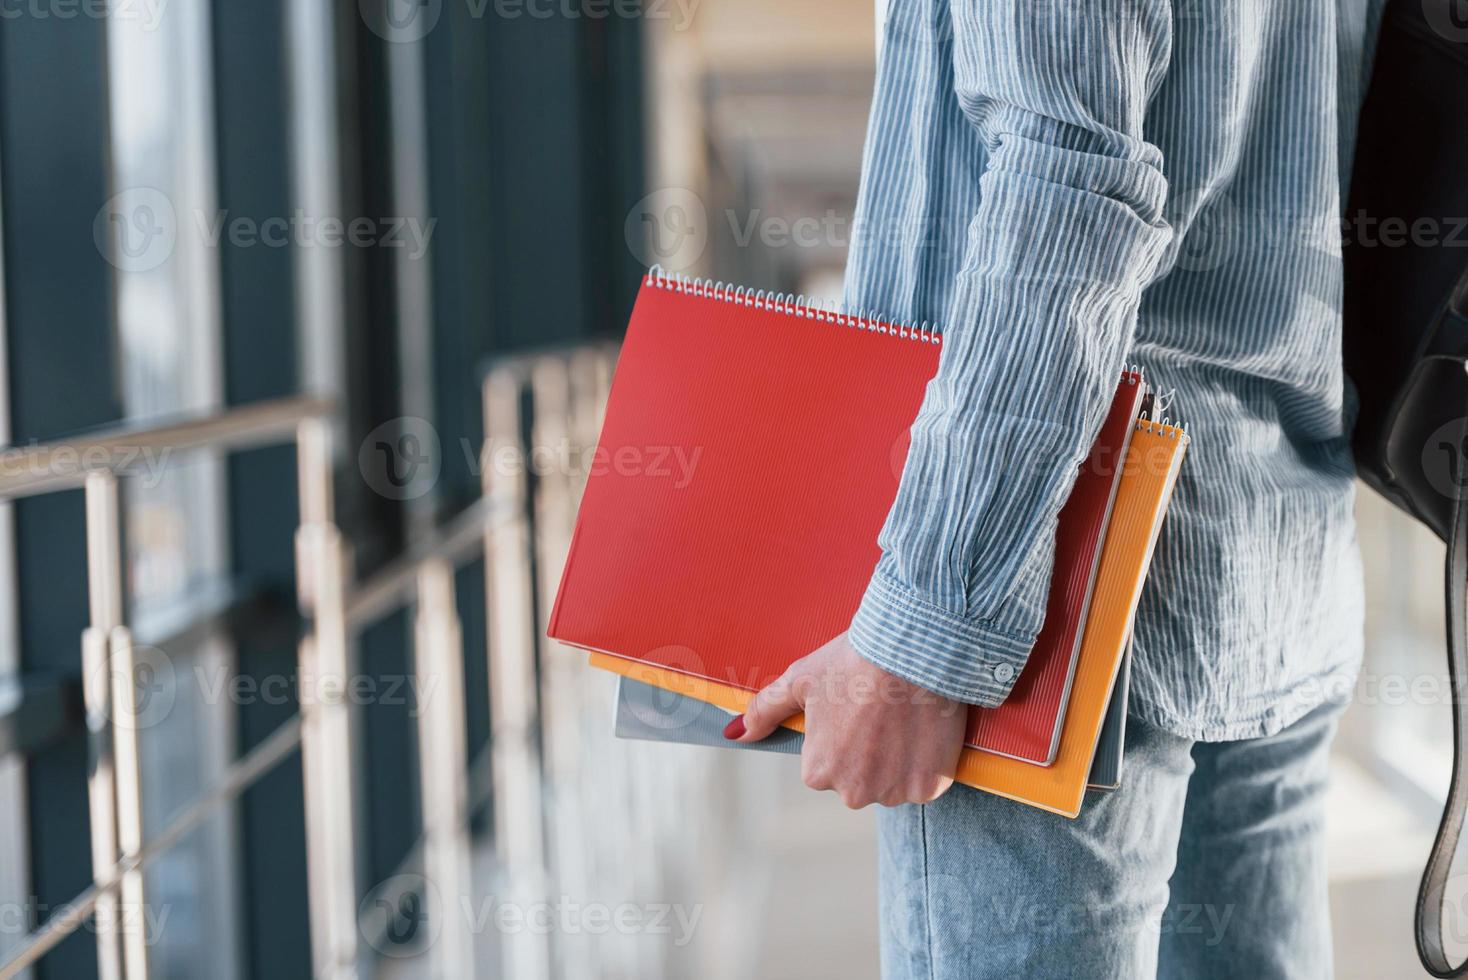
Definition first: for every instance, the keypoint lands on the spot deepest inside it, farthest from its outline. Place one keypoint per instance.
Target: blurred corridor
(309, 312)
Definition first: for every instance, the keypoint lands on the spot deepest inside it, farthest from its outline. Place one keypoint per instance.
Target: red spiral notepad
(789, 425)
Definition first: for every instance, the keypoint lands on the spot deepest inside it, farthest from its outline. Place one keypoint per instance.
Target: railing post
(129, 787)
(114, 787)
(443, 768)
(610, 772)
(518, 793)
(572, 819)
(326, 749)
(116, 901)
(101, 799)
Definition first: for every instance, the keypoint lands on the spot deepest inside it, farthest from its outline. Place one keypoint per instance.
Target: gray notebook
(652, 714)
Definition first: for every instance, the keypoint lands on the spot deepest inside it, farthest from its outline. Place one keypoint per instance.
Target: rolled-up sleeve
(1068, 231)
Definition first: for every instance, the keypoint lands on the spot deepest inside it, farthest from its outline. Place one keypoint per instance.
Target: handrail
(456, 542)
(239, 777)
(130, 447)
(498, 528)
(38, 708)
(397, 583)
(96, 461)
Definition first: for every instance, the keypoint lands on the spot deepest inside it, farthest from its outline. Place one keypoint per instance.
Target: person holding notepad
(1067, 187)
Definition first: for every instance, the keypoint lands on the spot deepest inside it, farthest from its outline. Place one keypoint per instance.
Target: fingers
(815, 775)
(818, 776)
(777, 702)
(856, 792)
(929, 789)
(900, 747)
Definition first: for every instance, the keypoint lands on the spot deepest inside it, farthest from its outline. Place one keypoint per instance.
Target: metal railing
(321, 731)
(96, 462)
(564, 799)
(576, 812)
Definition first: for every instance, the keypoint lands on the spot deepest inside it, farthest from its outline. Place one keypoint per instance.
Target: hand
(870, 736)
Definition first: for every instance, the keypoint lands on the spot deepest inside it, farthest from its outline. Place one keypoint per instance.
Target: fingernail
(734, 729)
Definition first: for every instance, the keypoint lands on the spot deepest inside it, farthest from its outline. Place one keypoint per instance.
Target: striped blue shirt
(1065, 187)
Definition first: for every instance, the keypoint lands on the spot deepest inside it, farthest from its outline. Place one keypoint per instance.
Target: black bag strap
(1432, 895)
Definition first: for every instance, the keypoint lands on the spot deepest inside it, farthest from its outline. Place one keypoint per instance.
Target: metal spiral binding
(1161, 402)
(822, 311)
(1171, 428)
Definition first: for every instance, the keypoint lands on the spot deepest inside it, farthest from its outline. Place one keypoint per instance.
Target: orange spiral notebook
(716, 575)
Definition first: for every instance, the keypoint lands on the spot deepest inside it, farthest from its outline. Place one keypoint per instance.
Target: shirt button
(1003, 672)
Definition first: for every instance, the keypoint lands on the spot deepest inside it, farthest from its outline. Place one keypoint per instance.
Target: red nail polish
(734, 729)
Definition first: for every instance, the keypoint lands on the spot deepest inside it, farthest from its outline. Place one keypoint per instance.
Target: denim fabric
(1208, 862)
(1062, 187)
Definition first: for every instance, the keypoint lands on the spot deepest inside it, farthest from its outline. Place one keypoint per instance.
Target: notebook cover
(1149, 474)
(650, 714)
(1027, 725)
(752, 452)
(1111, 745)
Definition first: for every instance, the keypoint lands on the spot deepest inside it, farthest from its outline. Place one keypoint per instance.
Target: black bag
(1406, 337)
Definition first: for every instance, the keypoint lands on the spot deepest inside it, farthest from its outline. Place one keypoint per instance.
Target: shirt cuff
(967, 660)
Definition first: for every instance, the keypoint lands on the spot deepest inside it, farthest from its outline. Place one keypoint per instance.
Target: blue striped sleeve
(1068, 229)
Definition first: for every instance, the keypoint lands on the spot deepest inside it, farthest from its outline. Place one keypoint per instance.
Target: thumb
(775, 703)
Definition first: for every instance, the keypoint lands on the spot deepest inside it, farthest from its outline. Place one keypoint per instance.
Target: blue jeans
(1209, 861)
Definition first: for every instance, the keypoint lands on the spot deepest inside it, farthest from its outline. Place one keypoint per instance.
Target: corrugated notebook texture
(1027, 725)
(790, 425)
(1149, 474)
